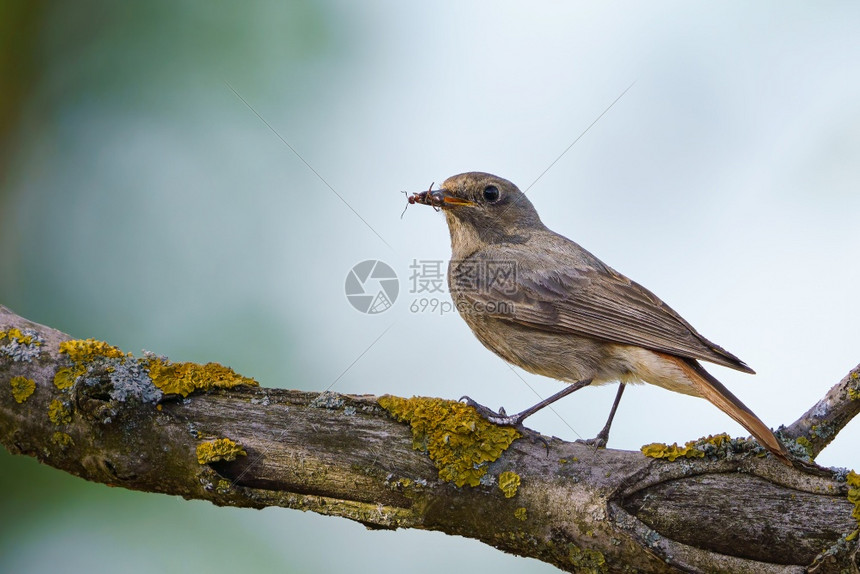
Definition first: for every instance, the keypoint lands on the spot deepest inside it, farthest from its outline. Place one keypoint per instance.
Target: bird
(545, 304)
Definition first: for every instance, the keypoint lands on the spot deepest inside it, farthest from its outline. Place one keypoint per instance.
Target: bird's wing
(583, 300)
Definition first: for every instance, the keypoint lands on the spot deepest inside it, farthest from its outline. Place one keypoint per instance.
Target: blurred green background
(143, 203)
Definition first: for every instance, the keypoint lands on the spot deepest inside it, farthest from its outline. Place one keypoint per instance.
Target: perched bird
(545, 304)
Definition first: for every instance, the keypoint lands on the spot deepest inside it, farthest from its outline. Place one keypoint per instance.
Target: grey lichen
(488, 480)
(327, 400)
(800, 447)
(714, 447)
(21, 345)
(840, 473)
(824, 430)
(128, 379)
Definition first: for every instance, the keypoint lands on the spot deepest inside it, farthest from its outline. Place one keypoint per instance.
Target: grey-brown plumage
(545, 304)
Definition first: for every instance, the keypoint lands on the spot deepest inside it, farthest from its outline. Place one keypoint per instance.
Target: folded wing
(593, 301)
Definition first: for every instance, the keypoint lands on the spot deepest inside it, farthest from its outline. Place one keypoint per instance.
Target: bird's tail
(714, 391)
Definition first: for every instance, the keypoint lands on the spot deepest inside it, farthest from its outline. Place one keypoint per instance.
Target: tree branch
(819, 425)
(204, 432)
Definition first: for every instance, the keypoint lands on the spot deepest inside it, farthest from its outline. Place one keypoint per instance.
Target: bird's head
(482, 209)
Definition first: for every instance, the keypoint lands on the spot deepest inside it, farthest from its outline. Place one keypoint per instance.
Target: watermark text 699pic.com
(372, 286)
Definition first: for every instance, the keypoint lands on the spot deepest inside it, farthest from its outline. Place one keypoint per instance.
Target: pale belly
(573, 358)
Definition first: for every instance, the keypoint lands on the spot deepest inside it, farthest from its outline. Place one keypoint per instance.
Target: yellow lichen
(521, 513)
(15, 334)
(219, 449)
(224, 486)
(673, 451)
(854, 388)
(509, 482)
(586, 559)
(804, 442)
(62, 439)
(459, 441)
(58, 413)
(713, 444)
(85, 350)
(853, 481)
(22, 388)
(65, 377)
(185, 378)
(717, 440)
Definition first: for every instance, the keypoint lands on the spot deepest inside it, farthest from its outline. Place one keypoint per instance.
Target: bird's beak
(449, 199)
(438, 198)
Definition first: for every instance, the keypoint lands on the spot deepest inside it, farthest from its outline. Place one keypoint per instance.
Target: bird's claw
(599, 441)
(596, 442)
(503, 419)
(500, 418)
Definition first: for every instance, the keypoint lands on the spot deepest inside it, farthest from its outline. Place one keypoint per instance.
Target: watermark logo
(372, 286)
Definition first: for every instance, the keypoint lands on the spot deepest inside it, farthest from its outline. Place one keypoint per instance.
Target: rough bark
(581, 509)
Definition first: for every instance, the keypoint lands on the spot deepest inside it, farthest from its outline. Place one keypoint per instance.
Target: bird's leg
(603, 436)
(501, 418)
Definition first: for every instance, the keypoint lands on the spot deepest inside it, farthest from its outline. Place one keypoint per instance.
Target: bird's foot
(500, 418)
(596, 442)
(599, 441)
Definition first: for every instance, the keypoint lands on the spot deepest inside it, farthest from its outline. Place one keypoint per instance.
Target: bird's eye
(491, 193)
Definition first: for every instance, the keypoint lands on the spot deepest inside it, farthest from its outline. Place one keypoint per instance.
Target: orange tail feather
(715, 392)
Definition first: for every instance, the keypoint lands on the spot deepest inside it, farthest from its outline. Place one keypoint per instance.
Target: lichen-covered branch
(206, 432)
(820, 424)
